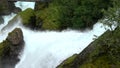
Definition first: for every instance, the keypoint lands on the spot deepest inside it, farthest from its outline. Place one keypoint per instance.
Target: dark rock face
(10, 49)
(7, 7)
(17, 10)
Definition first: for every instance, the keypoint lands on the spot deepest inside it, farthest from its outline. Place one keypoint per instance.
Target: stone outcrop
(7, 7)
(15, 37)
(11, 48)
(104, 52)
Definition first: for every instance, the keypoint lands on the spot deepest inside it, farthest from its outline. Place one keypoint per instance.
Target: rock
(104, 52)
(28, 18)
(48, 16)
(11, 48)
(17, 10)
(6, 7)
(15, 37)
(1, 20)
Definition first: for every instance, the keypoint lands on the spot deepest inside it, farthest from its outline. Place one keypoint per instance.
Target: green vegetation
(75, 14)
(62, 14)
(4, 47)
(68, 61)
(112, 15)
(28, 17)
(50, 18)
(104, 52)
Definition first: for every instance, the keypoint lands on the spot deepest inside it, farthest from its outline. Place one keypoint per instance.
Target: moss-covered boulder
(28, 17)
(10, 49)
(104, 52)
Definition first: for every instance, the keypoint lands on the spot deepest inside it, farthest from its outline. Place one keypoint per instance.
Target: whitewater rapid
(47, 49)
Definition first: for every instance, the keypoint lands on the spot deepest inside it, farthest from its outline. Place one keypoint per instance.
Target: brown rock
(16, 36)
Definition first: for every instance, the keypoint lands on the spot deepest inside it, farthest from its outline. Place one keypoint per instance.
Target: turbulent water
(24, 5)
(47, 49)
(6, 20)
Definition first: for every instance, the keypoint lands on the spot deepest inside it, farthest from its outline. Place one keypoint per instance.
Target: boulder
(15, 37)
(6, 7)
(10, 49)
(28, 18)
(17, 10)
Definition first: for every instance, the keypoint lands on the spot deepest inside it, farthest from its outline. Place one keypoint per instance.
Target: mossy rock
(7, 7)
(49, 17)
(68, 61)
(4, 48)
(104, 52)
(4, 7)
(28, 17)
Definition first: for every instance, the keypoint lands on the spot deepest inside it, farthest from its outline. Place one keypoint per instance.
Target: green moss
(49, 17)
(27, 16)
(100, 62)
(68, 61)
(4, 46)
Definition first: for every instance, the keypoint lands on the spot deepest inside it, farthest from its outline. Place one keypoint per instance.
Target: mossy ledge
(104, 52)
(10, 49)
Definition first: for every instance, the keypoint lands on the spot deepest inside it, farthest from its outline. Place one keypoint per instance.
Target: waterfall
(50, 48)
(47, 49)
(6, 18)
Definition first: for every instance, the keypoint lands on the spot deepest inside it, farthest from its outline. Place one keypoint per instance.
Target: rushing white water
(6, 18)
(24, 5)
(47, 49)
